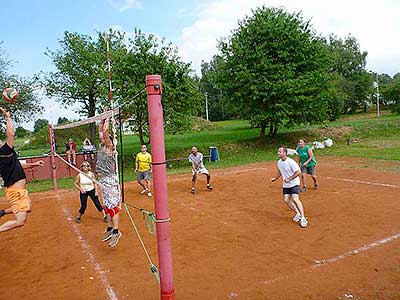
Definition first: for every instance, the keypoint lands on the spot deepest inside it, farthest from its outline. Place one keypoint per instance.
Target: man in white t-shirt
(290, 172)
(196, 158)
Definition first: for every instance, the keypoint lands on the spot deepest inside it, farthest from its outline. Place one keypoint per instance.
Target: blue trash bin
(213, 151)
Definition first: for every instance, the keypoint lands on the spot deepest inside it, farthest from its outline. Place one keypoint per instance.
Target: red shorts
(111, 211)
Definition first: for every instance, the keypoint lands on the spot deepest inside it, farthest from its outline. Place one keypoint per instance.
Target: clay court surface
(235, 242)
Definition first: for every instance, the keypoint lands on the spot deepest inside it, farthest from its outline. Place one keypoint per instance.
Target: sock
(115, 231)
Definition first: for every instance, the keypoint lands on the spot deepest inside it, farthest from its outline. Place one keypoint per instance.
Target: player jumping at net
(106, 169)
(290, 172)
(196, 158)
(14, 178)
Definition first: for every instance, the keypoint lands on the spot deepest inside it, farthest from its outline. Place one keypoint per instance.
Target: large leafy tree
(276, 70)
(81, 75)
(146, 54)
(27, 104)
(353, 78)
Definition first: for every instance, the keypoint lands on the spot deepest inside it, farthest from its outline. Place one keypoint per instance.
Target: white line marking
(364, 182)
(92, 259)
(364, 248)
(325, 262)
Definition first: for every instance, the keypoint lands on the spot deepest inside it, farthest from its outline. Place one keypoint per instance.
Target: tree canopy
(27, 103)
(81, 77)
(276, 70)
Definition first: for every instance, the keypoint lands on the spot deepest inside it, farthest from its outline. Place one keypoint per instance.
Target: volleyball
(10, 94)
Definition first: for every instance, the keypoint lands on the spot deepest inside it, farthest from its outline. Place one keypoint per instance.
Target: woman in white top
(86, 187)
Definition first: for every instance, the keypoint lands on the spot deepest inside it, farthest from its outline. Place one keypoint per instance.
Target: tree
(218, 105)
(391, 93)
(21, 132)
(81, 75)
(276, 70)
(39, 124)
(349, 64)
(149, 55)
(27, 103)
(62, 120)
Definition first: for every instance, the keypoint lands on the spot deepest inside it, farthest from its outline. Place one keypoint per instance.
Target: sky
(193, 26)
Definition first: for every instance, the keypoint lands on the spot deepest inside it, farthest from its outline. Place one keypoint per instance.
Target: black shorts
(292, 190)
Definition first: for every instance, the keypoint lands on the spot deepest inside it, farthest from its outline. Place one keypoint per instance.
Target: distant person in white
(290, 172)
(196, 158)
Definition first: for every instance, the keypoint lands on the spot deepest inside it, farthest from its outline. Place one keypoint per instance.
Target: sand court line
(363, 182)
(86, 249)
(326, 262)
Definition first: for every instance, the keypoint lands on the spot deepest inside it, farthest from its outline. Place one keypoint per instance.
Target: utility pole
(206, 106)
(377, 96)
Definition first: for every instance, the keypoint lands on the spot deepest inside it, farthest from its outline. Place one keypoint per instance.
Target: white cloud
(375, 25)
(123, 5)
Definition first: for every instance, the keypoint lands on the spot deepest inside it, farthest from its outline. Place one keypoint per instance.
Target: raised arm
(9, 127)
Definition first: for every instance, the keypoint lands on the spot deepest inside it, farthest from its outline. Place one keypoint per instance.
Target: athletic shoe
(193, 191)
(107, 235)
(304, 189)
(303, 222)
(297, 217)
(316, 186)
(78, 220)
(144, 191)
(105, 219)
(115, 239)
(149, 194)
(209, 187)
(2, 213)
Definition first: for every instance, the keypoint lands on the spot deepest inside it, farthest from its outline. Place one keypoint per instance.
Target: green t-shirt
(304, 156)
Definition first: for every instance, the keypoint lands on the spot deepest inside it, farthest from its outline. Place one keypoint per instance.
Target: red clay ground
(235, 242)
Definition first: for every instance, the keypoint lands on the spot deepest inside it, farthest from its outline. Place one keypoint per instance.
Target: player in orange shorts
(14, 178)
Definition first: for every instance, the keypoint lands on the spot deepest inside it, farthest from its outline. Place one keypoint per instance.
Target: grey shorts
(146, 175)
(309, 170)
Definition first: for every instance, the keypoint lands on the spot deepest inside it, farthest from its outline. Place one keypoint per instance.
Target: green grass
(370, 137)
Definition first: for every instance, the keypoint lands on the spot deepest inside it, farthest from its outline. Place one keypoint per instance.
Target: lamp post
(206, 106)
(376, 85)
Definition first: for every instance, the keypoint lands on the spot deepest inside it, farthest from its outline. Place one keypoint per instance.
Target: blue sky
(29, 26)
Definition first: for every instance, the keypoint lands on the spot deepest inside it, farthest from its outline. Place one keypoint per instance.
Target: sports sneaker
(297, 217)
(316, 186)
(303, 222)
(107, 235)
(115, 239)
(78, 220)
(209, 187)
(149, 194)
(144, 191)
(304, 189)
(2, 213)
(193, 191)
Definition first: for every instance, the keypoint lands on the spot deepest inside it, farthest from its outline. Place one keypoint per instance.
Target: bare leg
(315, 179)
(303, 177)
(298, 203)
(290, 203)
(114, 221)
(20, 219)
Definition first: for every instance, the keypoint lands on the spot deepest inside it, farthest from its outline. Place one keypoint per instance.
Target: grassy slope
(371, 137)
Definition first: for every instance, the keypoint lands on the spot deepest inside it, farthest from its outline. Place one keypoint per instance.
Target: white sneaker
(297, 217)
(303, 222)
(149, 194)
